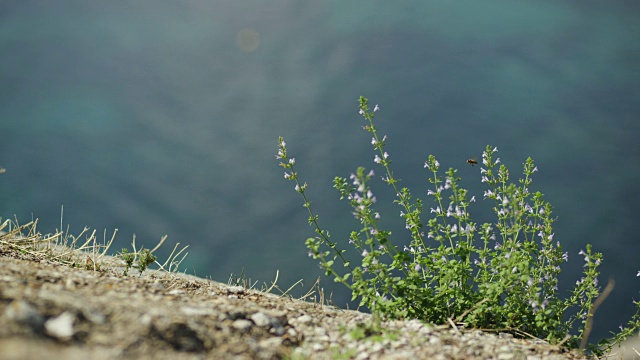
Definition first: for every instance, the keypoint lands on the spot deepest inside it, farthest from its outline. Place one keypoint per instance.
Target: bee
(473, 162)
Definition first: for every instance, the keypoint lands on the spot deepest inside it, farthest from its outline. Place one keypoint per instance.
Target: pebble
(304, 319)
(263, 320)
(61, 327)
(194, 311)
(236, 290)
(242, 324)
(23, 312)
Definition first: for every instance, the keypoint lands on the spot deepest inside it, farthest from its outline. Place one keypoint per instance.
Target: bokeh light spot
(248, 39)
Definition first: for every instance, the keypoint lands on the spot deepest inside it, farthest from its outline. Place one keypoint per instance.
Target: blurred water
(162, 118)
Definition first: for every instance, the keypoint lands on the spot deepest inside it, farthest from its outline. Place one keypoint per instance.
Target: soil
(54, 311)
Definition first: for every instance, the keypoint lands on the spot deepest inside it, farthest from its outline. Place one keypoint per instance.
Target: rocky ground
(54, 311)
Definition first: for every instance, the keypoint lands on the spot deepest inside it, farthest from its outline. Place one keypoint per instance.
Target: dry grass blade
(587, 330)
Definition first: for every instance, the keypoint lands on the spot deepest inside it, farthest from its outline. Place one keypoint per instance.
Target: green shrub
(497, 276)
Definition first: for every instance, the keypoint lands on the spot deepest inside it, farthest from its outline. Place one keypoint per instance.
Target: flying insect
(472, 162)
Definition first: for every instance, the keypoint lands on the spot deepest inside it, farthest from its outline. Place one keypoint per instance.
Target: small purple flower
(417, 267)
(365, 253)
(449, 212)
(376, 108)
(377, 159)
(473, 199)
(469, 228)
(361, 112)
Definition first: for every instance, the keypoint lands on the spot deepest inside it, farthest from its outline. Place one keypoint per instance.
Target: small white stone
(263, 320)
(271, 343)
(23, 312)
(194, 311)
(505, 356)
(242, 324)
(236, 290)
(377, 347)
(61, 327)
(304, 319)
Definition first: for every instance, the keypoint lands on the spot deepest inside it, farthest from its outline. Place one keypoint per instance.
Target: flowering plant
(499, 276)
